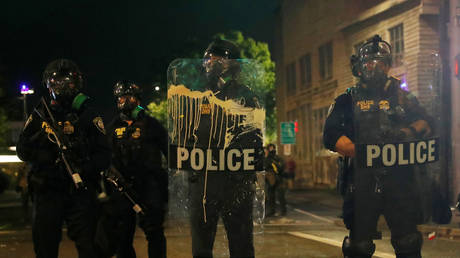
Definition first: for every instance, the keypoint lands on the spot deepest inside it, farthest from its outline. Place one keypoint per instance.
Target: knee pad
(357, 248)
(410, 244)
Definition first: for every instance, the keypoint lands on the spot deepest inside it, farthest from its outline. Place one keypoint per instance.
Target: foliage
(158, 111)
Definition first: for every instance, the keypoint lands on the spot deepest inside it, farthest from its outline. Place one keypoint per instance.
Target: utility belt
(135, 172)
(54, 178)
(227, 177)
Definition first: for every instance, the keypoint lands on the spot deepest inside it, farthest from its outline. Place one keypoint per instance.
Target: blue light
(25, 89)
(404, 86)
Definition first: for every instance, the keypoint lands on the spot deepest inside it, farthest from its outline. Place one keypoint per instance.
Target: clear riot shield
(397, 164)
(216, 125)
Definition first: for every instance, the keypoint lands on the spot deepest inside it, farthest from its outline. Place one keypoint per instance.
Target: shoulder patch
(97, 121)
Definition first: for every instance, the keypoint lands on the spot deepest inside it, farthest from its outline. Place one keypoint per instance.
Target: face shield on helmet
(215, 66)
(127, 96)
(217, 59)
(63, 80)
(375, 60)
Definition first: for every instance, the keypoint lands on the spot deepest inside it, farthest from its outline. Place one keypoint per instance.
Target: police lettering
(226, 159)
(400, 154)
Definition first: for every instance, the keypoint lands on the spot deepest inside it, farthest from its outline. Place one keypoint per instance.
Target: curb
(441, 231)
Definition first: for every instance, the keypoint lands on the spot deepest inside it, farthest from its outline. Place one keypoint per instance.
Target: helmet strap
(136, 112)
(78, 101)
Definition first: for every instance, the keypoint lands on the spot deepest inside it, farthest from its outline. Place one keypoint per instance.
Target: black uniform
(137, 150)
(229, 194)
(55, 198)
(211, 125)
(376, 117)
(274, 164)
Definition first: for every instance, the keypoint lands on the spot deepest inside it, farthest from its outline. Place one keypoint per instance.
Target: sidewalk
(328, 198)
(10, 199)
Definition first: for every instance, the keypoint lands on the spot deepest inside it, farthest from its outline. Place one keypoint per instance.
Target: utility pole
(454, 49)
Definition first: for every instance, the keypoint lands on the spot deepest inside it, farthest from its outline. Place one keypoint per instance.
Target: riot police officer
(226, 194)
(64, 140)
(138, 142)
(377, 110)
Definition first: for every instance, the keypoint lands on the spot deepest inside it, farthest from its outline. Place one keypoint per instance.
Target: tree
(265, 84)
(159, 111)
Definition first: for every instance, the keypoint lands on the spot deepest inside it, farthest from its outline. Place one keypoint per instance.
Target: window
(397, 44)
(319, 118)
(305, 129)
(325, 61)
(305, 70)
(291, 79)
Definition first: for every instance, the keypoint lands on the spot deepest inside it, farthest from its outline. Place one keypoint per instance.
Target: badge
(68, 128)
(136, 134)
(99, 124)
(365, 105)
(384, 104)
(205, 109)
(119, 132)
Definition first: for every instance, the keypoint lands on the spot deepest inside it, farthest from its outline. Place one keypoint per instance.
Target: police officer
(226, 194)
(377, 110)
(59, 195)
(276, 189)
(138, 142)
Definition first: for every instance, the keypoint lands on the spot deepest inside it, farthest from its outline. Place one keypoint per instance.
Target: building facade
(313, 45)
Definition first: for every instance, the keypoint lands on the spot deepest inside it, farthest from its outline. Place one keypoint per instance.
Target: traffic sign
(287, 132)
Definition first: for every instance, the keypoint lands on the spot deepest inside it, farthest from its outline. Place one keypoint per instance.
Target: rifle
(114, 177)
(63, 144)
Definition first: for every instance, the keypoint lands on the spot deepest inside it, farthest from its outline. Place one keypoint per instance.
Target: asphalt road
(309, 230)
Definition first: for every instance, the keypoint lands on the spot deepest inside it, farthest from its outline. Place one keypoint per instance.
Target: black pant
(276, 192)
(229, 197)
(117, 223)
(52, 209)
(397, 202)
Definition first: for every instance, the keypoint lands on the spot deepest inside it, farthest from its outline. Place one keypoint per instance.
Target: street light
(25, 91)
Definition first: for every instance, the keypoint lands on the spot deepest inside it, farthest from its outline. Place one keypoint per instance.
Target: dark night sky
(113, 40)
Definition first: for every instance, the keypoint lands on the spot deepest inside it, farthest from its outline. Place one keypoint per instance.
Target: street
(311, 229)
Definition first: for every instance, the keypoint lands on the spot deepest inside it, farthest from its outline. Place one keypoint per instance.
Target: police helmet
(375, 48)
(63, 79)
(222, 48)
(122, 88)
(373, 61)
(128, 96)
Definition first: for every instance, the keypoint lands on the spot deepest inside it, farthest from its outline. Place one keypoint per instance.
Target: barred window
(325, 61)
(291, 78)
(319, 119)
(305, 70)
(397, 44)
